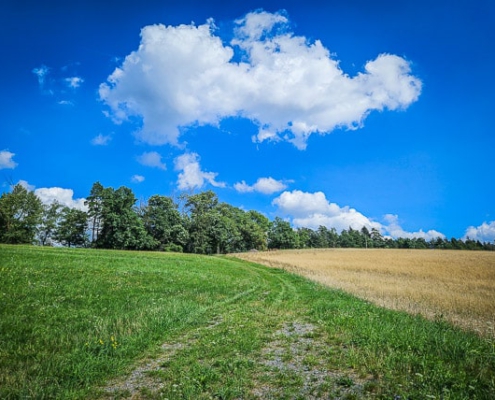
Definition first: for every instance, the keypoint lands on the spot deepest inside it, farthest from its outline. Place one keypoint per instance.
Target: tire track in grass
(289, 360)
(140, 378)
(279, 277)
(272, 288)
(295, 354)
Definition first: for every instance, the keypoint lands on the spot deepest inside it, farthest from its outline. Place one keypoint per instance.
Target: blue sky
(336, 113)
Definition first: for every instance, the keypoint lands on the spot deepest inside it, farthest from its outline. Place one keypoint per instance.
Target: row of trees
(198, 223)
(113, 221)
(352, 238)
(25, 219)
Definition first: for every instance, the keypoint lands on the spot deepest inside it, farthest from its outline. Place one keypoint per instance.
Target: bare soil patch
(298, 349)
(458, 286)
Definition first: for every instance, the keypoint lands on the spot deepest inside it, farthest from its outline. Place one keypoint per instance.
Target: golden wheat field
(458, 286)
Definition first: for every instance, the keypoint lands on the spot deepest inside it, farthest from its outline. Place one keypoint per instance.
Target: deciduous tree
(256, 231)
(20, 215)
(121, 226)
(94, 202)
(164, 223)
(281, 235)
(203, 220)
(72, 228)
(49, 222)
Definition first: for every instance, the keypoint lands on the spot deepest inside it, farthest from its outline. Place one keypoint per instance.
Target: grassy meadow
(458, 286)
(100, 324)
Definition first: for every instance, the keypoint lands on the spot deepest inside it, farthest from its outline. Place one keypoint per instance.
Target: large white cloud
(484, 233)
(262, 185)
(7, 160)
(312, 210)
(191, 176)
(287, 85)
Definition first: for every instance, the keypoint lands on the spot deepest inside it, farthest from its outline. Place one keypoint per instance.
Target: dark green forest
(194, 223)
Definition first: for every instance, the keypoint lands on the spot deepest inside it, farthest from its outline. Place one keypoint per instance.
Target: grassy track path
(83, 324)
(239, 352)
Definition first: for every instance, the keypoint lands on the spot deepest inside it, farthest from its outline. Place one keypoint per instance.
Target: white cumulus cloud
(26, 185)
(484, 233)
(151, 159)
(7, 160)
(311, 210)
(191, 176)
(262, 185)
(289, 86)
(63, 196)
(393, 228)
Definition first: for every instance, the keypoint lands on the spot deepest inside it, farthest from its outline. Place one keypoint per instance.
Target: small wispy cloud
(101, 140)
(7, 160)
(41, 72)
(74, 82)
(55, 82)
(137, 178)
(151, 159)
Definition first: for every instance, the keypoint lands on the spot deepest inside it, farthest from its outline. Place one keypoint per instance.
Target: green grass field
(88, 324)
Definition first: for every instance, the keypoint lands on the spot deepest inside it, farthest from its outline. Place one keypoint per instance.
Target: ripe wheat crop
(456, 285)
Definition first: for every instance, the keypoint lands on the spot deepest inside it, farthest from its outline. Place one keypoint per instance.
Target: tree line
(196, 223)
